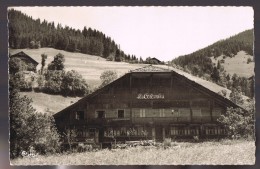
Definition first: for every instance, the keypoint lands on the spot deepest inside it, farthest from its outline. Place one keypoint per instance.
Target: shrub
(53, 81)
(40, 81)
(223, 93)
(57, 63)
(167, 142)
(35, 44)
(73, 84)
(249, 60)
(16, 65)
(236, 96)
(238, 123)
(19, 81)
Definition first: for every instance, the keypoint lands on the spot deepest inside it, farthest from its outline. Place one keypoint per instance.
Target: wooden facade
(146, 104)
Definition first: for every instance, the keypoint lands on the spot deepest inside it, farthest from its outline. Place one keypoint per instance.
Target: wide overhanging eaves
(154, 69)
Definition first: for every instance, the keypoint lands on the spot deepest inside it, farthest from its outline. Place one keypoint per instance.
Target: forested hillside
(200, 63)
(25, 32)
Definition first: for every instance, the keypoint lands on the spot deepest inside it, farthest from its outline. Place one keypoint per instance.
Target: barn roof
(207, 85)
(22, 54)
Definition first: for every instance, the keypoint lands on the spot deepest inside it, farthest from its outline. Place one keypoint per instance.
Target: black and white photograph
(131, 85)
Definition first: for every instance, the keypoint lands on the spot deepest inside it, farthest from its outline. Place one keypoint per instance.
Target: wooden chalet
(153, 102)
(26, 59)
(155, 61)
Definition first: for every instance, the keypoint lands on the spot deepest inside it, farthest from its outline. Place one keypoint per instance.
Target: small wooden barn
(153, 102)
(32, 64)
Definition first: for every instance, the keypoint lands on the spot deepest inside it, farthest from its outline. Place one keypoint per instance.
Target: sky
(161, 32)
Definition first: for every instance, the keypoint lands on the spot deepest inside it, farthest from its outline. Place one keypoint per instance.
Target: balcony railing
(105, 121)
(140, 120)
(160, 120)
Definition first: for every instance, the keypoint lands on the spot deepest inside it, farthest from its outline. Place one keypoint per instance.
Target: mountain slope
(238, 64)
(199, 62)
(228, 62)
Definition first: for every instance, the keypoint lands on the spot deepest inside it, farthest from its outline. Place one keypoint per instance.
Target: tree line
(25, 32)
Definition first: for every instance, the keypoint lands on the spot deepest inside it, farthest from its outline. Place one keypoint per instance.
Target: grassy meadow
(237, 64)
(89, 66)
(44, 102)
(216, 153)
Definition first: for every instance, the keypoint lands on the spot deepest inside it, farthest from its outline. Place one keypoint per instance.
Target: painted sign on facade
(149, 96)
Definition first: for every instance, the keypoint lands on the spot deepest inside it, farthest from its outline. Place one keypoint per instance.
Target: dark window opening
(121, 113)
(92, 132)
(79, 115)
(100, 114)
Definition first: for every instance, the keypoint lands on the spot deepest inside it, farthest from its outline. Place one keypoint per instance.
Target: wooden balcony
(169, 120)
(142, 120)
(108, 121)
(160, 120)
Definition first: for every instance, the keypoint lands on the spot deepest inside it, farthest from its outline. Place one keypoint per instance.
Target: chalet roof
(207, 84)
(22, 54)
(210, 86)
(156, 59)
(151, 68)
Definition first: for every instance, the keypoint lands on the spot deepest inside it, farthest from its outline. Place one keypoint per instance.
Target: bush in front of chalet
(19, 81)
(167, 143)
(238, 123)
(73, 84)
(70, 137)
(29, 128)
(53, 81)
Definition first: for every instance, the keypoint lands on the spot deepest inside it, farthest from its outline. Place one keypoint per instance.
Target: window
(101, 114)
(162, 114)
(79, 115)
(142, 112)
(121, 113)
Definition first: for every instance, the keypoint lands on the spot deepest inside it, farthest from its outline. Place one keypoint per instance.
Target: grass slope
(221, 153)
(237, 64)
(46, 103)
(89, 66)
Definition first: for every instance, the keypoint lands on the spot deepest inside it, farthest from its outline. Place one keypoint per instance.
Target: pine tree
(215, 75)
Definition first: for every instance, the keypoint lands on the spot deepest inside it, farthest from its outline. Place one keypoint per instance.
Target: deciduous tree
(57, 63)
(107, 77)
(73, 84)
(29, 128)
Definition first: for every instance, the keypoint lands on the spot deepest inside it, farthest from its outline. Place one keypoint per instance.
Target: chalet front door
(101, 135)
(159, 133)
